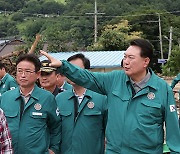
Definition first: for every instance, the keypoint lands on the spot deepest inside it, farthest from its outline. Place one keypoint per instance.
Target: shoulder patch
(172, 108)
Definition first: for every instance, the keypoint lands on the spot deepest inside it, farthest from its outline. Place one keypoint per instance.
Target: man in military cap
(48, 78)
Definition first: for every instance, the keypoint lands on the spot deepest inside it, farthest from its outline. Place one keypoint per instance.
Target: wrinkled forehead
(26, 65)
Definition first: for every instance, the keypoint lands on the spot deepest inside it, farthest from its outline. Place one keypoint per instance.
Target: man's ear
(38, 74)
(146, 61)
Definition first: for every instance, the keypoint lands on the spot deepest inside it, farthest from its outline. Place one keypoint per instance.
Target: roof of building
(98, 59)
(3, 41)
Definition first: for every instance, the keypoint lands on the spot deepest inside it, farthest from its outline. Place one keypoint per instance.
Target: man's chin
(127, 72)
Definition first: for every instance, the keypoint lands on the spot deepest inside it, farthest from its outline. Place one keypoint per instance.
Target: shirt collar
(78, 95)
(143, 82)
(29, 94)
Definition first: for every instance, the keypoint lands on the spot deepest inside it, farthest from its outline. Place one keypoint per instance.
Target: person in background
(175, 81)
(139, 102)
(62, 83)
(83, 113)
(48, 78)
(5, 137)
(7, 82)
(173, 84)
(31, 112)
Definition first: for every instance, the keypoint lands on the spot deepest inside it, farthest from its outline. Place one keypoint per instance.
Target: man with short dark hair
(139, 102)
(62, 83)
(83, 113)
(31, 112)
(7, 82)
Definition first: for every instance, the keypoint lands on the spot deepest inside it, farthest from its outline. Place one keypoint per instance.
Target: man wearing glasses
(31, 111)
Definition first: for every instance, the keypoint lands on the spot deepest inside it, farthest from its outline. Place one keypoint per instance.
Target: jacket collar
(152, 81)
(4, 78)
(87, 94)
(34, 93)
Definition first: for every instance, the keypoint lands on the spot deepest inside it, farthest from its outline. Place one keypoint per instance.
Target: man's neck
(140, 76)
(51, 89)
(25, 91)
(79, 90)
(3, 76)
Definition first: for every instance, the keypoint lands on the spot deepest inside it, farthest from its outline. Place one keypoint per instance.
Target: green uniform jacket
(7, 83)
(135, 124)
(175, 81)
(67, 86)
(85, 134)
(39, 121)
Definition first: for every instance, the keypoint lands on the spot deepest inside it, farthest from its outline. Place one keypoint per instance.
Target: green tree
(172, 67)
(34, 27)
(56, 38)
(115, 37)
(8, 28)
(52, 7)
(18, 16)
(32, 7)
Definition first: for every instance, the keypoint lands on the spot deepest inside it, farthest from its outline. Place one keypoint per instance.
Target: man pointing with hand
(139, 102)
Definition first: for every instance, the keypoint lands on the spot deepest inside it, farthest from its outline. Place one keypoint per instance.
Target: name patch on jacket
(37, 113)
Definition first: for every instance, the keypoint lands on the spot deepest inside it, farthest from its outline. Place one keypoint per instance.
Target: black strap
(76, 106)
(22, 104)
(61, 90)
(133, 91)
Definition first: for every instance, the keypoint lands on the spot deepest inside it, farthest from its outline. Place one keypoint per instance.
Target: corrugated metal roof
(3, 41)
(98, 59)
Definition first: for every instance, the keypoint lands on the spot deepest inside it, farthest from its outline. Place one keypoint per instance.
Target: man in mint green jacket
(31, 112)
(84, 134)
(83, 113)
(139, 102)
(7, 82)
(175, 81)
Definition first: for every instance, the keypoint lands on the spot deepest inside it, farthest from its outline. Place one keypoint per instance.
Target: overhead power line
(76, 16)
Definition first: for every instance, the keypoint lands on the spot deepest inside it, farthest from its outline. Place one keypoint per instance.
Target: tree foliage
(172, 67)
(115, 37)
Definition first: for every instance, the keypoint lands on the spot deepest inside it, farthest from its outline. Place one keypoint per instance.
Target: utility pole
(95, 21)
(170, 42)
(160, 36)
(5, 13)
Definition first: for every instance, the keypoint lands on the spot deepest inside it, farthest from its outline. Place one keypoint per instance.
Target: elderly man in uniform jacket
(31, 112)
(139, 102)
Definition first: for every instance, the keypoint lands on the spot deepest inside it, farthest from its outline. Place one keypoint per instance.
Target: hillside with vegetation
(67, 25)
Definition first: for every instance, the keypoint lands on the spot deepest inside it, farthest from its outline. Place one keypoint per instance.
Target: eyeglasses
(26, 72)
